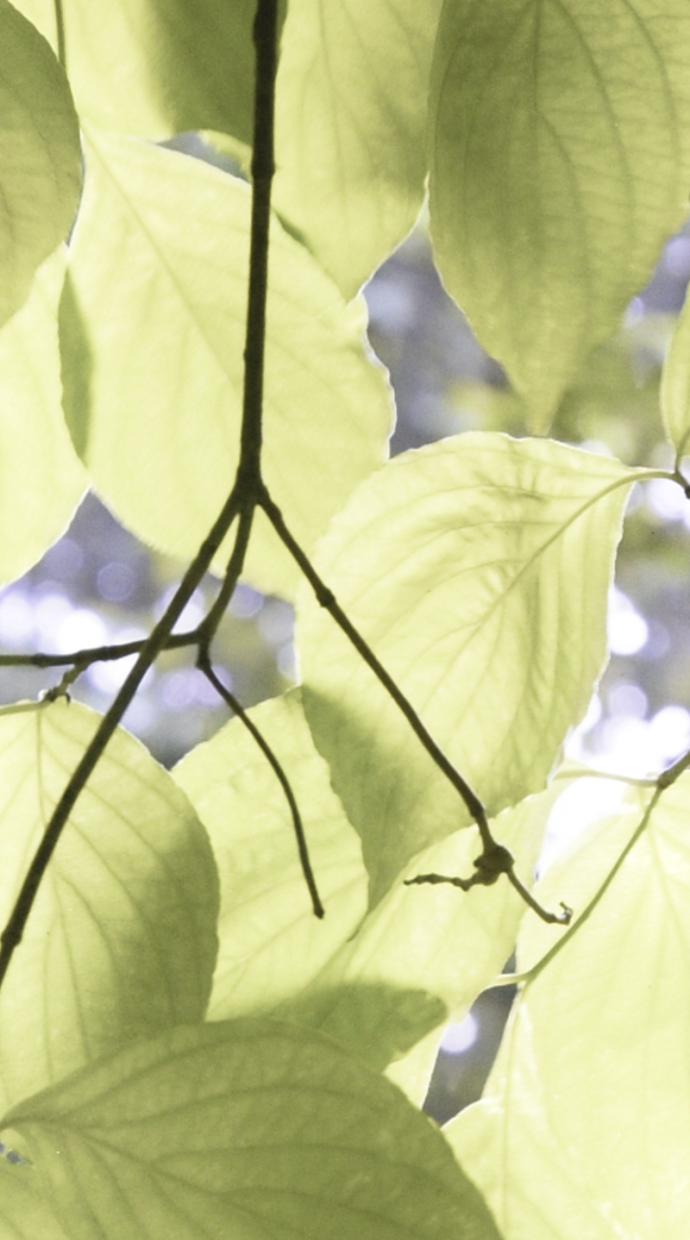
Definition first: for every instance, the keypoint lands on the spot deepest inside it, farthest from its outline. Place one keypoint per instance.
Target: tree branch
(242, 495)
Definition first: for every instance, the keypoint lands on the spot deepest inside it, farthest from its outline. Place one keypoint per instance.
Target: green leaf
(157, 69)
(153, 338)
(351, 118)
(675, 386)
(424, 953)
(25, 1214)
(121, 940)
(248, 1129)
(478, 571)
(589, 1102)
(40, 162)
(560, 161)
(41, 479)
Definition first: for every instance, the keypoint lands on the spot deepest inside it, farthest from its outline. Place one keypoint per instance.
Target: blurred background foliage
(98, 584)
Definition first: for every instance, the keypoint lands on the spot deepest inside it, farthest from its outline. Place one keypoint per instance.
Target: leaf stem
(204, 665)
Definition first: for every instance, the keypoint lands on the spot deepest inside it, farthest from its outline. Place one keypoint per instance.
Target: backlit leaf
(153, 337)
(157, 69)
(121, 940)
(25, 1214)
(560, 162)
(424, 953)
(589, 1102)
(39, 157)
(478, 571)
(41, 479)
(351, 119)
(248, 1130)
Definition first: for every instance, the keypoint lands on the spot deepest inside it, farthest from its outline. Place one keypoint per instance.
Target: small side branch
(229, 698)
(328, 601)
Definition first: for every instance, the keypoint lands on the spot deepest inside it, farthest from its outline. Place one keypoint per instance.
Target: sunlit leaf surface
(39, 157)
(585, 1125)
(560, 162)
(41, 479)
(25, 1214)
(153, 337)
(246, 1130)
(121, 940)
(478, 571)
(351, 116)
(424, 953)
(157, 69)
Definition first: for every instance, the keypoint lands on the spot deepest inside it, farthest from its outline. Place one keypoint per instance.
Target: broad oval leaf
(25, 1213)
(121, 940)
(40, 159)
(478, 571)
(423, 954)
(156, 69)
(247, 1129)
(589, 1102)
(351, 106)
(153, 337)
(41, 478)
(560, 161)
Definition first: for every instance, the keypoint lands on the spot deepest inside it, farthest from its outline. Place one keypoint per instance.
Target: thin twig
(494, 859)
(209, 625)
(247, 482)
(96, 654)
(205, 667)
(326, 599)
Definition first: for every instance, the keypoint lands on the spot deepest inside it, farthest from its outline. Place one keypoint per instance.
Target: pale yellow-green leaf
(121, 940)
(588, 1107)
(244, 1130)
(351, 119)
(153, 337)
(156, 69)
(424, 953)
(477, 569)
(40, 170)
(25, 1213)
(41, 479)
(560, 162)
(412, 1072)
(675, 385)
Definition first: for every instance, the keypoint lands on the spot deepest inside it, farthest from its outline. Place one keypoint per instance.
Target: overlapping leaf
(351, 117)
(39, 157)
(157, 69)
(41, 479)
(478, 572)
(25, 1214)
(584, 1128)
(247, 1129)
(422, 954)
(153, 336)
(122, 939)
(560, 162)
